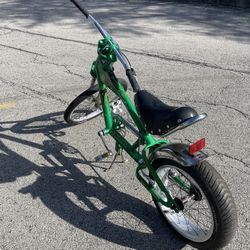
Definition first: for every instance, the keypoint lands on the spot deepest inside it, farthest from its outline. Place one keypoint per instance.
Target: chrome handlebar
(129, 71)
(105, 34)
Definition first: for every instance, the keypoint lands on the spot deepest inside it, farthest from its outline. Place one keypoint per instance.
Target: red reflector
(197, 146)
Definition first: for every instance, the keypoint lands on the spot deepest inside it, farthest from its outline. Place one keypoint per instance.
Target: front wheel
(208, 217)
(88, 104)
(84, 107)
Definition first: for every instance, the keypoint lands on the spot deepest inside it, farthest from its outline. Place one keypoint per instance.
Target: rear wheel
(208, 217)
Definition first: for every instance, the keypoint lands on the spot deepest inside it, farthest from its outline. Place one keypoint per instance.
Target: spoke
(172, 188)
(203, 208)
(197, 203)
(190, 205)
(198, 211)
(164, 177)
(178, 192)
(186, 223)
(199, 217)
(178, 185)
(197, 222)
(178, 217)
(201, 212)
(191, 226)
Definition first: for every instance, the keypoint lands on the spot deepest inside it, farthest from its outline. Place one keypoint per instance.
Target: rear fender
(177, 152)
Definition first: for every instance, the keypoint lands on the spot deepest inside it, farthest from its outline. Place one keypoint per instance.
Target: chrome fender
(177, 152)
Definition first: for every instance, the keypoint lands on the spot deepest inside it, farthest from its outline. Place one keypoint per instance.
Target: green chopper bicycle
(188, 192)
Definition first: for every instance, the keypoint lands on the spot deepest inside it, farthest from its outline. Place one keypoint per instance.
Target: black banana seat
(158, 117)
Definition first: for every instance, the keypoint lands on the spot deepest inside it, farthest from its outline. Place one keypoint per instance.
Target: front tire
(87, 105)
(84, 107)
(208, 220)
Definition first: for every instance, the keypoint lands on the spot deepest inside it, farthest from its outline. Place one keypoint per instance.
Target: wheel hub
(196, 192)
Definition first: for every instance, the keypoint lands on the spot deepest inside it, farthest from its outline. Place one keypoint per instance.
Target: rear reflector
(197, 146)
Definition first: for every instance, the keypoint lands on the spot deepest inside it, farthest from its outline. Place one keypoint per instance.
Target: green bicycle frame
(102, 69)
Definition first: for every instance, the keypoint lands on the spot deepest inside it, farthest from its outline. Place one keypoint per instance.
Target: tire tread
(220, 199)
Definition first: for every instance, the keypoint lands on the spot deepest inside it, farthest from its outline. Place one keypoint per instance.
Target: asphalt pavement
(54, 195)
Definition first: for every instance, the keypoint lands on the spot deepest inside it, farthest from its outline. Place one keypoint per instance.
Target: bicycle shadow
(86, 201)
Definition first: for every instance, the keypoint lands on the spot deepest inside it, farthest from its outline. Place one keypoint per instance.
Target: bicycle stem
(105, 34)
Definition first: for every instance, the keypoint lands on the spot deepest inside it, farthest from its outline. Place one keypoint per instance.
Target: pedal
(103, 156)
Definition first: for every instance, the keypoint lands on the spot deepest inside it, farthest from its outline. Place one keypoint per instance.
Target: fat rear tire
(217, 194)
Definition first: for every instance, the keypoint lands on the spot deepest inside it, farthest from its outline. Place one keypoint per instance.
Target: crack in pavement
(72, 73)
(50, 36)
(140, 52)
(47, 95)
(245, 115)
(36, 60)
(22, 50)
(188, 61)
(5, 33)
(224, 88)
(229, 156)
(232, 158)
(23, 90)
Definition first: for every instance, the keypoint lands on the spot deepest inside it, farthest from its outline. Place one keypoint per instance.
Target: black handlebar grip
(131, 76)
(83, 10)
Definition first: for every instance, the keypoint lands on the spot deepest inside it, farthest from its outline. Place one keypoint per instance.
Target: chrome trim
(187, 123)
(122, 59)
(178, 152)
(182, 158)
(104, 33)
(98, 26)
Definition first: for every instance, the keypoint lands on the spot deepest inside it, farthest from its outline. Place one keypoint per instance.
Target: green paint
(102, 69)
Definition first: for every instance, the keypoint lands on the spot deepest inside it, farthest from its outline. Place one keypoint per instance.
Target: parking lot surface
(54, 195)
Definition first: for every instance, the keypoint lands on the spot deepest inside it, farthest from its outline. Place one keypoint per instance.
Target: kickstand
(119, 152)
